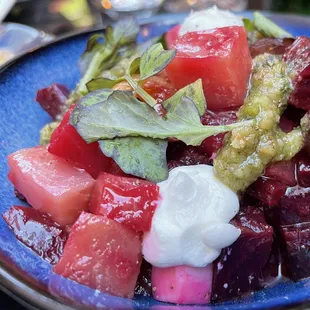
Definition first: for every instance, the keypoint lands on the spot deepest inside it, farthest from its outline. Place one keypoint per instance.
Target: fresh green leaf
(101, 83)
(122, 115)
(248, 25)
(154, 60)
(142, 157)
(134, 66)
(269, 28)
(193, 91)
(125, 31)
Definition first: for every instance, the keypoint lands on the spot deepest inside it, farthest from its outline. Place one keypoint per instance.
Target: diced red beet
(182, 284)
(212, 144)
(297, 56)
(144, 282)
(303, 171)
(102, 254)
(267, 190)
(190, 155)
(68, 144)
(53, 99)
(286, 124)
(237, 269)
(50, 184)
(300, 96)
(293, 208)
(297, 243)
(270, 46)
(128, 201)
(37, 231)
(282, 171)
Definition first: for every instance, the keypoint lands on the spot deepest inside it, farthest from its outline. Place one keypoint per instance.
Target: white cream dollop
(209, 19)
(191, 223)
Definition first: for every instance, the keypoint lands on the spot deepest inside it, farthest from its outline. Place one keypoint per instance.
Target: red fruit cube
(50, 184)
(37, 231)
(102, 254)
(53, 99)
(128, 201)
(68, 144)
(303, 171)
(221, 58)
(282, 171)
(172, 36)
(267, 190)
(238, 268)
(296, 243)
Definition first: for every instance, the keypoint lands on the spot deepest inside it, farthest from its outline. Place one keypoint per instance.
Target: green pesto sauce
(248, 150)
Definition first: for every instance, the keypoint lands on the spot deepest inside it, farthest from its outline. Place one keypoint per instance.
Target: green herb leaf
(269, 28)
(154, 60)
(193, 91)
(125, 31)
(142, 157)
(248, 25)
(122, 115)
(134, 66)
(101, 83)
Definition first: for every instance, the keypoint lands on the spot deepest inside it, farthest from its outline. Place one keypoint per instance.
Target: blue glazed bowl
(22, 272)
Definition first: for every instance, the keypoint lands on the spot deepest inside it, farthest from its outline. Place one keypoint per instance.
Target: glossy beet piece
(293, 208)
(50, 184)
(128, 201)
(268, 191)
(236, 271)
(37, 231)
(297, 56)
(282, 171)
(297, 244)
(291, 118)
(300, 96)
(212, 144)
(102, 254)
(144, 282)
(53, 99)
(187, 156)
(68, 144)
(221, 58)
(182, 284)
(270, 46)
(303, 170)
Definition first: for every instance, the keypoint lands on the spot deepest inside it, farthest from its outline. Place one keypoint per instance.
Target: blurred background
(27, 24)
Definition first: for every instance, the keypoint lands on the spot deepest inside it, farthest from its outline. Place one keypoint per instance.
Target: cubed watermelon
(102, 254)
(37, 231)
(50, 184)
(221, 58)
(129, 201)
(182, 284)
(68, 144)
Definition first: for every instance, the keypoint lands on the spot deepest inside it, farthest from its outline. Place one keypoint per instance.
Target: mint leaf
(193, 91)
(154, 60)
(134, 66)
(125, 31)
(122, 115)
(100, 83)
(269, 28)
(142, 157)
(248, 25)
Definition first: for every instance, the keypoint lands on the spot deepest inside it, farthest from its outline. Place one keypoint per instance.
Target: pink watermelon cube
(50, 184)
(102, 254)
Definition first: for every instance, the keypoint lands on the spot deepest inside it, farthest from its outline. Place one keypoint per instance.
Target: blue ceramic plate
(24, 273)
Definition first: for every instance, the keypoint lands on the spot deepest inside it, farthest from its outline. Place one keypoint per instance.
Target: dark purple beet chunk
(268, 191)
(236, 271)
(144, 282)
(53, 99)
(297, 244)
(293, 208)
(37, 231)
(178, 155)
(270, 46)
(303, 171)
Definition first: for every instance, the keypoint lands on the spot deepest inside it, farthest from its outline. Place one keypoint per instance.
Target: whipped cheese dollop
(191, 223)
(209, 19)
